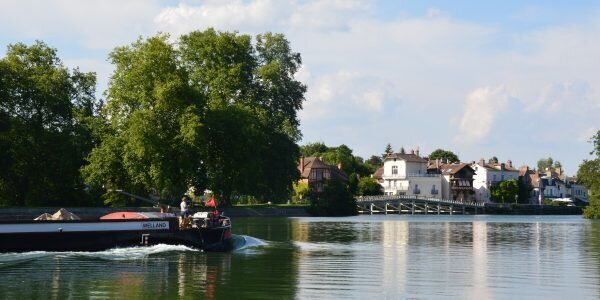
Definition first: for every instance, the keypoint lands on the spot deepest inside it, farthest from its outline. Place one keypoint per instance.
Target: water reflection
(457, 257)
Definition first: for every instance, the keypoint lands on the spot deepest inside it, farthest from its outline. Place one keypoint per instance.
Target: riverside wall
(92, 213)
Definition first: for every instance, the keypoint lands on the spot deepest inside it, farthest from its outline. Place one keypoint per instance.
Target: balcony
(464, 184)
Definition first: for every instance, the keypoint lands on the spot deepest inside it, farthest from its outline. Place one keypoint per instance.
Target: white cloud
(92, 24)
(482, 108)
(372, 100)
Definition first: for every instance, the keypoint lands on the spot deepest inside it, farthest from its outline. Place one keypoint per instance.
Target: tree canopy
(210, 111)
(506, 191)
(589, 175)
(544, 164)
(443, 155)
(45, 116)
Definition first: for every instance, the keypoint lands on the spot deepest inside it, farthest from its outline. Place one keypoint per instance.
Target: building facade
(488, 175)
(406, 174)
(316, 173)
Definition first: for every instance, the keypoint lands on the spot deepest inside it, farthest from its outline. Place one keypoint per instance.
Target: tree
(443, 155)
(368, 186)
(506, 191)
(388, 150)
(214, 112)
(374, 161)
(233, 74)
(149, 96)
(589, 175)
(335, 200)
(494, 160)
(402, 151)
(313, 149)
(45, 116)
(525, 189)
(544, 164)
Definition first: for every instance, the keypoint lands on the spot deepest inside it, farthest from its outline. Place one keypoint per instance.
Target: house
(317, 173)
(406, 174)
(488, 175)
(457, 180)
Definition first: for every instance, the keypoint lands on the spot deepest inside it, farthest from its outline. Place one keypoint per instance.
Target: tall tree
(589, 175)
(45, 112)
(544, 164)
(237, 78)
(153, 127)
(313, 149)
(444, 155)
(388, 150)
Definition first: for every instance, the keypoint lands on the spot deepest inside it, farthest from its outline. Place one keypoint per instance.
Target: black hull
(209, 239)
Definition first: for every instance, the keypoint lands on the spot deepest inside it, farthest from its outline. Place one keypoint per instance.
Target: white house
(406, 174)
(490, 174)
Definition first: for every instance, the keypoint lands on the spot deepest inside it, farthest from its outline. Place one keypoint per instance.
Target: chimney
(412, 151)
(482, 162)
(502, 166)
(301, 164)
(417, 153)
(509, 164)
(437, 163)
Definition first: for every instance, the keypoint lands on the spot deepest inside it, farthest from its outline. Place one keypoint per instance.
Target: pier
(401, 204)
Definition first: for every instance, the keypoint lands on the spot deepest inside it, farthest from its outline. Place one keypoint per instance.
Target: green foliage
(494, 160)
(443, 155)
(544, 164)
(313, 149)
(214, 112)
(368, 186)
(374, 162)
(589, 175)
(335, 200)
(149, 96)
(524, 191)
(338, 155)
(301, 191)
(46, 111)
(505, 191)
(388, 150)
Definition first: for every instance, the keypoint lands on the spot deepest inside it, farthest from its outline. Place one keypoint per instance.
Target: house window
(416, 190)
(433, 190)
(502, 177)
(494, 177)
(394, 170)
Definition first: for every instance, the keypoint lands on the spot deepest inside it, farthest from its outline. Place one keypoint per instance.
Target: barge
(203, 230)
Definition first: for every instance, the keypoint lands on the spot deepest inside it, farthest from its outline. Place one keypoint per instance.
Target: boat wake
(245, 242)
(129, 253)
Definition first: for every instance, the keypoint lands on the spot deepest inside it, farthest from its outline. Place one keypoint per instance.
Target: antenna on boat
(153, 202)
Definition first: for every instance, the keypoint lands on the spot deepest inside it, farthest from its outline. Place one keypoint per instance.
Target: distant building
(490, 174)
(457, 180)
(406, 174)
(317, 173)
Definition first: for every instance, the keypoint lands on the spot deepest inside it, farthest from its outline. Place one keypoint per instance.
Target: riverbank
(93, 213)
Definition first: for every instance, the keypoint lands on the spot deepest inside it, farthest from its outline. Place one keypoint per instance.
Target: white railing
(414, 197)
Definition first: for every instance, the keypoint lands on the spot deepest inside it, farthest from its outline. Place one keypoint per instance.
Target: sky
(519, 80)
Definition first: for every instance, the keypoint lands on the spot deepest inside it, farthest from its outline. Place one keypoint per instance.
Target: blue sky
(519, 80)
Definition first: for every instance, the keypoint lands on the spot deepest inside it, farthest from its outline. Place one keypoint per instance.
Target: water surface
(378, 257)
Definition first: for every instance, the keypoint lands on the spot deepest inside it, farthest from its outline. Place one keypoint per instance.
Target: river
(363, 257)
